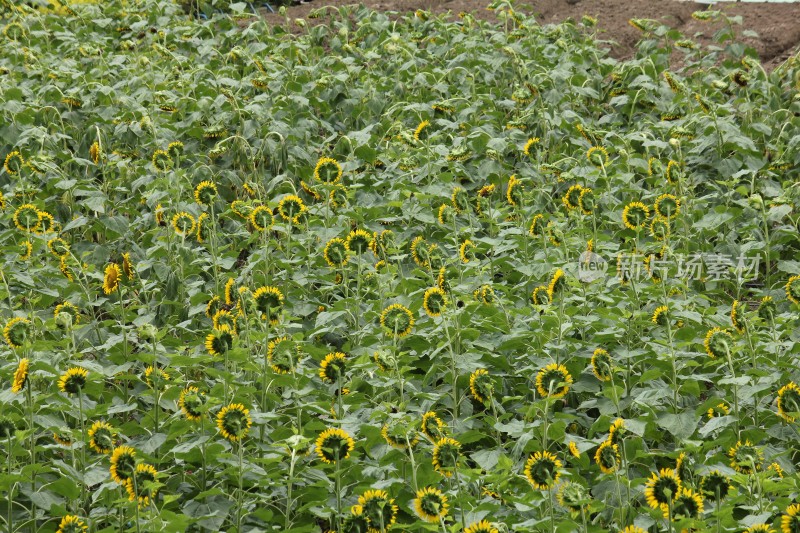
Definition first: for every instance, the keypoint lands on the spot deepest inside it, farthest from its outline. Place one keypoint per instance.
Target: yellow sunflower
(20, 376)
(233, 422)
(542, 470)
(553, 381)
(334, 445)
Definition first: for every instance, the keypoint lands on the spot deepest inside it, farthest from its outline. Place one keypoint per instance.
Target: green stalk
(289, 489)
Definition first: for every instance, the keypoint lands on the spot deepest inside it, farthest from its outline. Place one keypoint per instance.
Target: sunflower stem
(29, 397)
(136, 500)
(11, 488)
(203, 451)
(289, 484)
(240, 498)
(338, 488)
(83, 446)
(460, 500)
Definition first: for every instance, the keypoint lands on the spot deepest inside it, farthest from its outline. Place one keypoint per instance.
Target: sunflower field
(371, 272)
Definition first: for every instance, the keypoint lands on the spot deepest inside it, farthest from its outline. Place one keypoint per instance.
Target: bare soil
(776, 24)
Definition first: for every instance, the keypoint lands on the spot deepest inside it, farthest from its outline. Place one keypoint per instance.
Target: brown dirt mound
(777, 32)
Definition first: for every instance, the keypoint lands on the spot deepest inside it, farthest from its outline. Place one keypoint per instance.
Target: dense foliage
(394, 271)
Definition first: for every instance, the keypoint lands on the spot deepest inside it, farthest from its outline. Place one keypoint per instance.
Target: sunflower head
(737, 316)
(586, 201)
(283, 354)
(539, 296)
(718, 343)
(460, 200)
(162, 160)
(715, 485)
(571, 198)
(542, 470)
(746, 458)
(72, 524)
(175, 149)
(558, 283)
(183, 223)
(432, 426)
(687, 504)
(789, 402)
(484, 526)
(233, 422)
(399, 436)
(123, 464)
(573, 496)
(792, 289)
(155, 377)
(17, 331)
(333, 367)
(660, 316)
(790, 521)
(192, 403)
(597, 156)
(335, 253)
(667, 206)
(553, 381)
(635, 215)
(27, 217)
(291, 208)
(102, 437)
(434, 301)
(767, 308)
(617, 431)
(142, 490)
(13, 163)
(334, 445)
(662, 488)
(431, 504)
(446, 453)
(480, 385)
(73, 380)
(327, 170)
(268, 303)
(380, 510)
(20, 378)
(608, 457)
(602, 364)
(397, 319)
(219, 342)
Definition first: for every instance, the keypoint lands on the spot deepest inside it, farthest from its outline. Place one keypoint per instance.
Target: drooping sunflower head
(73, 380)
(540, 296)
(542, 470)
(660, 315)
(662, 488)
(219, 342)
(446, 453)
(335, 253)
(155, 377)
(746, 458)
(717, 342)
(175, 149)
(202, 230)
(432, 426)
(333, 367)
(283, 354)
(538, 227)
(205, 192)
(431, 504)
(481, 385)
(72, 524)
(224, 320)
(26, 249)
(183, 223)
(558, 283)
(20, 378)
(328, 170)
(514, 191)
(192, 403)
(261, 218)
(142, 491)
(767, 308)
(269, 303)
(162, 160)
(422, 130)
(607, 457)
(484, 526)
(597, 156)
(789, 402)
(659, 228)
(399, 436)
(667, 206)
(635, 215)
(338, 196)
(13, 163)
(737, 316)
(687, 504)
(718, 410)
(111, 278)
(759, 528)
(380, 510)
(467, 251)
(334, 445)
(102, 437)
(358, 241)
(790, 521)
(233, 422)
(58, 247)
(586, 201)
(72, 313)
(291, 208)
(434, 301)
(573, 496)
(17, 331)
(792, 289)
(397, 319)
(617, 431)
(27, 217)
(460, 200)
(715, 485)
(571, 198)
(553, 381)
(529, 146)
(602, 364)
(123, 464)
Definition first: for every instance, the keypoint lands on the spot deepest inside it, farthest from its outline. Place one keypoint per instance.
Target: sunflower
(662, 488)
(26, 249)
(542, 470)
(607, 457)
(70, 309)
(586, 202)
(460, 200)
(328, 170)
(419, 252)
(420, 133)
(767, 308)
(687, 504)
(716, 342)
(659, 228)
(161, 160)
(333, 445)
(446, 214)
(667, 206)
(789, 401)
(13, 163)
(269, 303)
(790, 521)
(218, 342)
(598, 156)
(224, 320)
(715, 485)
(183, 223)
(660, 315)
(398, 438)
(484, 526)
(28, 218)
(602, 364)
(332, 367)
(47, 223)
(155, 377)
(635, 215)
(137, 484)
(746, 458)
(719, 410)
(338, 196)
(759, 528)
(573, 449)
(73, 380)
(283, 355)
(537, 227)
(233, 422)
(123, 463)
(380, 510)
(572, 496)
(175, 149)
(513, 191)
(72, 524)
(539, 296)
(446, 453)
(432, 426)
(335, 253)
(159, 215)
(201, 232)
(736, 308)
(775, 467)
(431, 504)
(291, 208)
(58, 247)
(556, 285)
(530, 144)
(398, 320)
(553, 381)
(102, 437)
(191, 402)
(673, 167)
(359, 241)
(20, 376)
(617, 431)
(16, 331)
(111, 278)
(8, 429)
(793, 290)
(484, 294)
(480, 385)
(467, 251)
(571, 197)
(434, 301)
